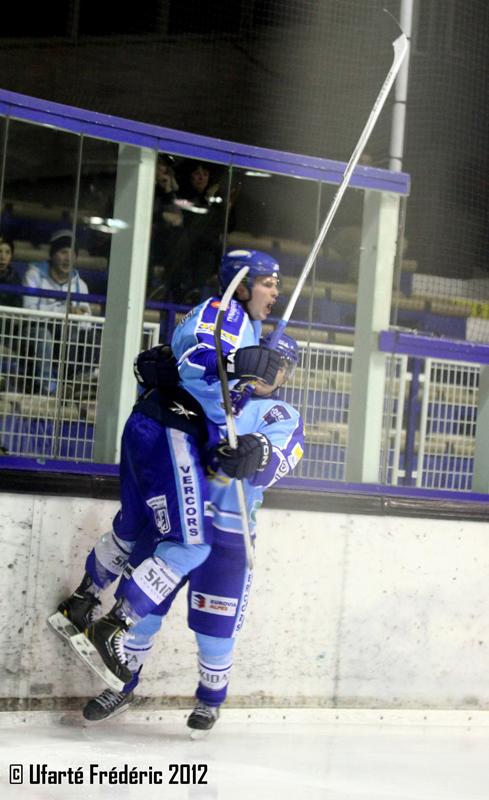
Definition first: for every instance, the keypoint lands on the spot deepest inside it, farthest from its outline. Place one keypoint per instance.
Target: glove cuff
(229, 364)
(266, 451)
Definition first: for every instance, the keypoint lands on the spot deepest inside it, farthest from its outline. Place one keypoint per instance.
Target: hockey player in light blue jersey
(193, 340)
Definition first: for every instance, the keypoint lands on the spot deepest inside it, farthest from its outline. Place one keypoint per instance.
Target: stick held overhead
(400, 45)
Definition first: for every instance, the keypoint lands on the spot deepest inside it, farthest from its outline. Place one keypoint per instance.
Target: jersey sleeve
(283, 426)
(83, 306)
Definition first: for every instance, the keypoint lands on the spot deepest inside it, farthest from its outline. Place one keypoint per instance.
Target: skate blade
(89, 722)
(62, 626)
(197, 735)
(90, 655)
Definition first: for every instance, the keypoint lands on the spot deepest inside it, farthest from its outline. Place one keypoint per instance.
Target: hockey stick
(400, 46)
(228, 406)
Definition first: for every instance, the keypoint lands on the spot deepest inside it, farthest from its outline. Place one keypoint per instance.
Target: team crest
(277, 413)
(160, 511)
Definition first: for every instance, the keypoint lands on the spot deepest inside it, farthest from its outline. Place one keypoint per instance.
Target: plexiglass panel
(189, 217)
(278, 215)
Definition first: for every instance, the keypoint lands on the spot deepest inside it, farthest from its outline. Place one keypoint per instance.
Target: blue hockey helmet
(260, 265)
(287, 348)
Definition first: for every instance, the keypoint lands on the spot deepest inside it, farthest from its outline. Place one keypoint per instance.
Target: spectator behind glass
(8, 274)
(56, 274)
(167, 227)
(202, 201)
(9, 326)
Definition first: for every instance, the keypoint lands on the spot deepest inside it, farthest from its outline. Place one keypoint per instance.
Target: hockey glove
(253, 363)
(156, 367)
(252, 455)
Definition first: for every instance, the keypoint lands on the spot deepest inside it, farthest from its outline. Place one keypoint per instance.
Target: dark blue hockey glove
(156, 367)
(252, 455)
(253, 363)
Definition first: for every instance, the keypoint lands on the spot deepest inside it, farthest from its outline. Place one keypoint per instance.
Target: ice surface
(257, 755)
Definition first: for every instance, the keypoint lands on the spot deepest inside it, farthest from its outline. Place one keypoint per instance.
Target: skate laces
(110, 699)
(205, 711)
(118, 642)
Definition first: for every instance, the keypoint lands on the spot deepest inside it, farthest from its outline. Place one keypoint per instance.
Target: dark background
(296, 75)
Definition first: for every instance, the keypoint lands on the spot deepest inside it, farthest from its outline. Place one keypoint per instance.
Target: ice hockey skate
(202, 719)
(75, 613)
(101, 647)
(106, 705)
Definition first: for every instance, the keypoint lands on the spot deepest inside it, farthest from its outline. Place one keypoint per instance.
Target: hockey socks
(215, 664)
(107, 559)
(149, 585)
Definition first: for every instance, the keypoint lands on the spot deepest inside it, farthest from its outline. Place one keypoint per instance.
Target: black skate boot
(107, 705)
(76, 612)
(102, 648)
(107, 636)
(203, 717)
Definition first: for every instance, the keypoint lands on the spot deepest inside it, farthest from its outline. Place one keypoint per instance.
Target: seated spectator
(9, 327)
(8, 274)
(58, 273)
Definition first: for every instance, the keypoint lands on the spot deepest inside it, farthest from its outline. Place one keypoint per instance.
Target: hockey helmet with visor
(288, 349)
(260, 265)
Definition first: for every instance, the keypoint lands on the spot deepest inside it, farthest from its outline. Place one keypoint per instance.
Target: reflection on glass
(189, 213)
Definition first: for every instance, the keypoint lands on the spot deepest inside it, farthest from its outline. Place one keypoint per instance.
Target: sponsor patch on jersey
(282, 469)
(159, 507)
(231, 338)
(276, 414)
(205, 327)
(215, 304)
(296, 455)
(234, 312)
(212, 604)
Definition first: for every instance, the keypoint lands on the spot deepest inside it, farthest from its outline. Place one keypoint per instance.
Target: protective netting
(298, 75)
(446, 155)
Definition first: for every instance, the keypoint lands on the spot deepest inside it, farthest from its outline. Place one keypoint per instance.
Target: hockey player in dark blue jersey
(219, 589)
(163, 485)
(225, 570)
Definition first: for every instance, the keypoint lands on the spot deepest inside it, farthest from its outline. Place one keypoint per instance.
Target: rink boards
(347, 611)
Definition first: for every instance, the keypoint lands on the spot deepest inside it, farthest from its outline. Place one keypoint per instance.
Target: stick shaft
(228, 408)
(400, 46)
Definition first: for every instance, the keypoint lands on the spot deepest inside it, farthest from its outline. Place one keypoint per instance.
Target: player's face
(264, 389)
(264, 295)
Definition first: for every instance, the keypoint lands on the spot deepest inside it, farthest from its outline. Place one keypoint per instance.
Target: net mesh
(300, 76)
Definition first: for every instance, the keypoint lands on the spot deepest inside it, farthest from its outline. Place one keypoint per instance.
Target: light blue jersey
(193, 346)
(282, 425)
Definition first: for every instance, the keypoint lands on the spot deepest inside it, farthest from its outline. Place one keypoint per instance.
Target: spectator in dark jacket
(8, 274)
